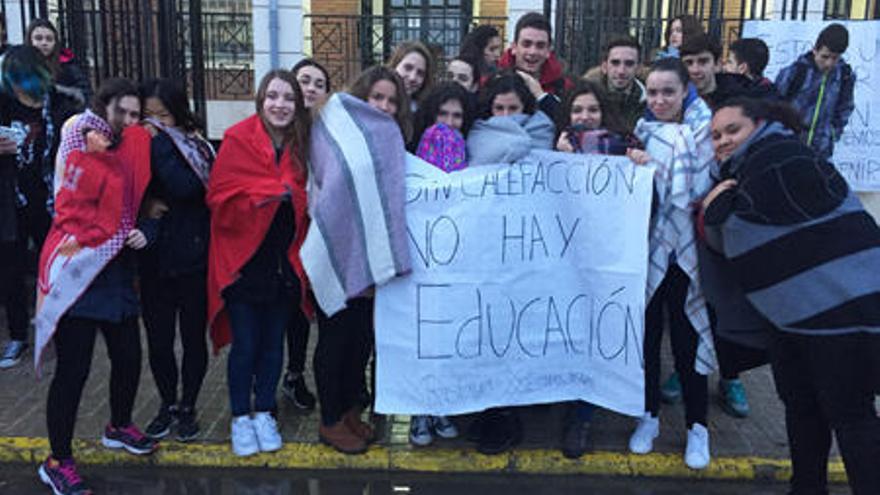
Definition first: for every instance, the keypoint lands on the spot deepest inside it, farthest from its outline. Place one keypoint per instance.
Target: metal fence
(210, 51)
(23, 12)
(584, 27)
(347, 44)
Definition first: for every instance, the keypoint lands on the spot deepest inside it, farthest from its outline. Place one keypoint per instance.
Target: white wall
(222, 114)
(517, 8)
(290, 35)
(14, 29)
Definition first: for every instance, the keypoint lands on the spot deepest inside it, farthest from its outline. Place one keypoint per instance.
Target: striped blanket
(804, 250)
(357, 238)
(683, 156)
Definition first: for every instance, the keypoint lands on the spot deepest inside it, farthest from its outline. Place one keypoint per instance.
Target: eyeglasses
(627, 63)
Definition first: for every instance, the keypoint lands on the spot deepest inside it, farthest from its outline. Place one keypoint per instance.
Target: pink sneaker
(129, 438)
(62, 477)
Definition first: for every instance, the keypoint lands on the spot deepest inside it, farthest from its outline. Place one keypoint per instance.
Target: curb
(309, 456)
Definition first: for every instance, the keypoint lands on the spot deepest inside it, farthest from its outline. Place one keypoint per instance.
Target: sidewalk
(746, 449)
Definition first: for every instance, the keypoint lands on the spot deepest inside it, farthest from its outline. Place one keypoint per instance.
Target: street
(23, 480)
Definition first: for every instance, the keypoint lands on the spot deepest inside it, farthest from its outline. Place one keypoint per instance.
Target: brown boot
(340, 437)
(361, 429)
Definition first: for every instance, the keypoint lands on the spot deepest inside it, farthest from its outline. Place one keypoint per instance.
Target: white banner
(528, 287)
(857, 154)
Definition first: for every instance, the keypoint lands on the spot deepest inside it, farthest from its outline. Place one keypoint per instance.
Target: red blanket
(243, 197)
(96, 208)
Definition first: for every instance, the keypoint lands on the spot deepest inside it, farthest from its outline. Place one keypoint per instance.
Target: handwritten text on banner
(528, 287)
(857, 154)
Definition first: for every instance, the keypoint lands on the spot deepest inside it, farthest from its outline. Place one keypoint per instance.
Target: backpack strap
(800, 75)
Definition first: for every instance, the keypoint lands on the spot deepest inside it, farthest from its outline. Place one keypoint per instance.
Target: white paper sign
(528, 287)
(857, 154)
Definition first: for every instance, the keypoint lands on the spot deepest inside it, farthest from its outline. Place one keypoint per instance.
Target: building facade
(220, 48)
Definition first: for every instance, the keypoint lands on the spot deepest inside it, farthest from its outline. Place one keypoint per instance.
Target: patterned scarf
(27, 157)
(195, 149)
(443, 147)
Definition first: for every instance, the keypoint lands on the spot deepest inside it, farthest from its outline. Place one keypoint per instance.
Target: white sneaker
(443, 427)
(696, 455)
(267, 432)
(244, 437)
(420, 431)
(642, 440)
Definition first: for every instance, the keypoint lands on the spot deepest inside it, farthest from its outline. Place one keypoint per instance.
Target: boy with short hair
(701, 55)
(618, 77)
(748, 57)
(532, 53)
(820, 85)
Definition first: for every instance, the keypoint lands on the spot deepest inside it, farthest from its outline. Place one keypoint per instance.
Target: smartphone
(17, 132)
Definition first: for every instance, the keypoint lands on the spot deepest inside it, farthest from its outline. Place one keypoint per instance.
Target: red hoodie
(552, 78)
(244, 179)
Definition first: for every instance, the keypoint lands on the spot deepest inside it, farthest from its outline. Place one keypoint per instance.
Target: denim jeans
(256, 356)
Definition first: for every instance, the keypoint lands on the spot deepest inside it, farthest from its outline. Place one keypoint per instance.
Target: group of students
(758, 250)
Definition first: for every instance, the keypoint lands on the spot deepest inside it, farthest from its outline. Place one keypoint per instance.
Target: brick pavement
(23, 413)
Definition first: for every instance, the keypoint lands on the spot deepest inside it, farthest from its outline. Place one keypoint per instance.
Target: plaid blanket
(684, 160)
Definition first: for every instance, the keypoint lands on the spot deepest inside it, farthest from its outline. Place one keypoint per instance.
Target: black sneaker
(187, 426)
(500, 432)
(295, 389)
(577, 439)
(160, 426)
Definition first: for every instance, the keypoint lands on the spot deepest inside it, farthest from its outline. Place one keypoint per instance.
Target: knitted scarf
(443, 147)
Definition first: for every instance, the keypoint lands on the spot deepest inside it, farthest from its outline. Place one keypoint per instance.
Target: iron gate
(583, 27)
(348, 44)
(137, 39)
(209, 49)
